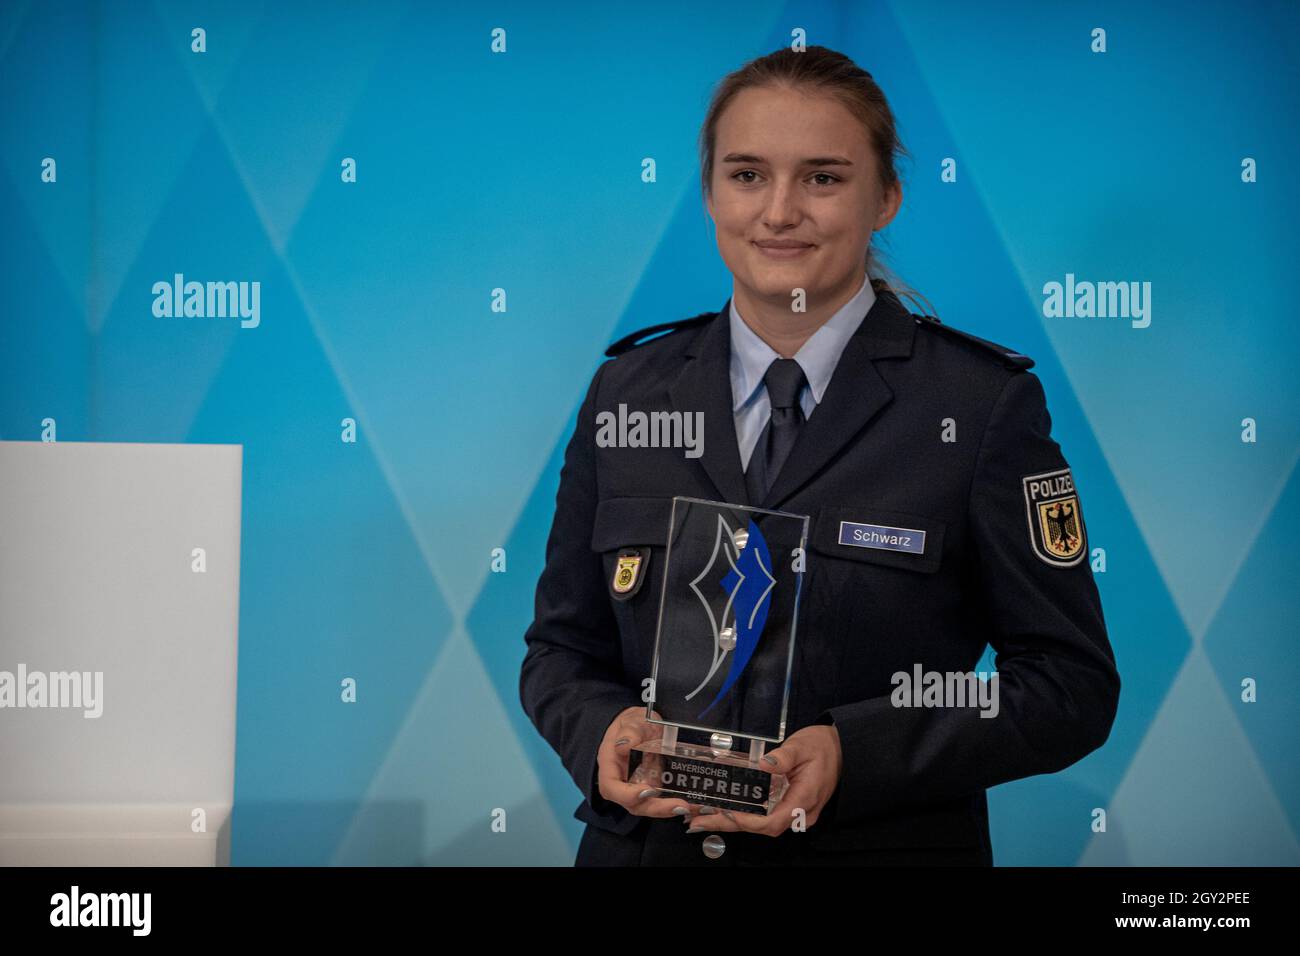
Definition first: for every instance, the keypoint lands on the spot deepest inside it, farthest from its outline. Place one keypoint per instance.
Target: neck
(786, 331)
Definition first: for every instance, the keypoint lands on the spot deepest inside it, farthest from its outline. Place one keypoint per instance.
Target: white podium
(119, 620)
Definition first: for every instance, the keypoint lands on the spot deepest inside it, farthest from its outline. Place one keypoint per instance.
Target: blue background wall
(522, 171)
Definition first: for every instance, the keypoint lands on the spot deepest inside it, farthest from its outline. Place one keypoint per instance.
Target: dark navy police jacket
(1000, 566)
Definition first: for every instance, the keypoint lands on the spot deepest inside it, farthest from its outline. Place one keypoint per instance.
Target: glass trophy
(723, 653)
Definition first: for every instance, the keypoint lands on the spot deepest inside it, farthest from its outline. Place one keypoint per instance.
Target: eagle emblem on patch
(1056, 530)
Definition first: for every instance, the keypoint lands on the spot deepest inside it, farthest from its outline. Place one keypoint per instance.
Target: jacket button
(714, 846)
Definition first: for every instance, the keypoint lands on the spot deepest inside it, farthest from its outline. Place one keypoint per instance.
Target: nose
(782, 207)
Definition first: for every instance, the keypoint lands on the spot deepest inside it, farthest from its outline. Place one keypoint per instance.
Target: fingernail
(648, 792)
(696, 830)
(727, 814)
(622, 740)
(680, 811)
(705, 811)
(770, 759)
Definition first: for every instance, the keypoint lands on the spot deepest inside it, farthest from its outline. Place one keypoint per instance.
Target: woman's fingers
(628, 730)
(793, 760)
(773, 824)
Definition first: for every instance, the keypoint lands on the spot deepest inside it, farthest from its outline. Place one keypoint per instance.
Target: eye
(833, 179)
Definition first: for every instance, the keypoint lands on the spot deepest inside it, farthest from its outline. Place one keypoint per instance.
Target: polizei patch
(1056, 530)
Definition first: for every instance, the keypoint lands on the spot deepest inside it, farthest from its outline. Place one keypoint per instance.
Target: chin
(780, 279)
(778, 283)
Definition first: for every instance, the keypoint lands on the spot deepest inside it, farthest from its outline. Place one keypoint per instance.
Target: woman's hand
(812, 760)
(628, 729)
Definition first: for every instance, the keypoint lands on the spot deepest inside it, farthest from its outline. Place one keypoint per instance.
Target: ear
(893, 200)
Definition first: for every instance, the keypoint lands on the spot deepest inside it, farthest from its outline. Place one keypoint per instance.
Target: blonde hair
(827, 71)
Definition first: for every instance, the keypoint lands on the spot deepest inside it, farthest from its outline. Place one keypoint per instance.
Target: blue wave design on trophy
(748, 585)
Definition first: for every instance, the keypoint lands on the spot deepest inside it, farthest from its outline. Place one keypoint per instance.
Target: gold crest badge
(625, 573)
(628, 571)
(1056, 530)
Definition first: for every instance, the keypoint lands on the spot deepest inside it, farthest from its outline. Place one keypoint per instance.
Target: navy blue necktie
(784, 380)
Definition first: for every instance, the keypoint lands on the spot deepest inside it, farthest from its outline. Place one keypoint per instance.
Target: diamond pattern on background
(1196, 790)
(435, 763)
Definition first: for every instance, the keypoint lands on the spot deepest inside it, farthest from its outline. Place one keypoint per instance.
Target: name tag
(858, 535)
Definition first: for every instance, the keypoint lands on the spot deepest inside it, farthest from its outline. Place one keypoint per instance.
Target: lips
(783, 248)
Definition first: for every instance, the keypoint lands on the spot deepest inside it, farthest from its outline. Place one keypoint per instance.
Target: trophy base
(726, 779)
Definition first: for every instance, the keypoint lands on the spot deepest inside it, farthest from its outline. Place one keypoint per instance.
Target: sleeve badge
(1056, 531)
(629, 572)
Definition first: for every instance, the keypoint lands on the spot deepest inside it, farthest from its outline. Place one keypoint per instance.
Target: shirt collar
(751, 356)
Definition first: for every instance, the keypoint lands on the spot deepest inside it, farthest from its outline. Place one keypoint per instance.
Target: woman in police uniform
(822, 395)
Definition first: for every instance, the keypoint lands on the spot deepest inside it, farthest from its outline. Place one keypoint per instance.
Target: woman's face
(794, 168)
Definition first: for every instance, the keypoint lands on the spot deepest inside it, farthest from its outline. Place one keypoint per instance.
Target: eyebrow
(814, 161)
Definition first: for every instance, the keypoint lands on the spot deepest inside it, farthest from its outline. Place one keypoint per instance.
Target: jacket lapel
(855, 395)
(705, 385)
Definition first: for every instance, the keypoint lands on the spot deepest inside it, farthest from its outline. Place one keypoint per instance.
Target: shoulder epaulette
(1010, 357)
(640, 336)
